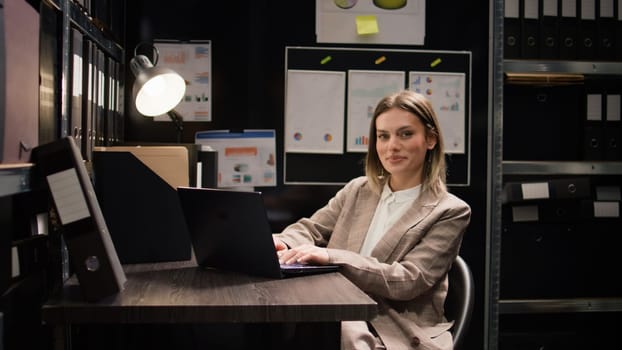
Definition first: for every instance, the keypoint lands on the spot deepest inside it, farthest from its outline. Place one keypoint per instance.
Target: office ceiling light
(157, 90)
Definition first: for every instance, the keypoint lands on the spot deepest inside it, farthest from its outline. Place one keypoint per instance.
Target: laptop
(229, 230)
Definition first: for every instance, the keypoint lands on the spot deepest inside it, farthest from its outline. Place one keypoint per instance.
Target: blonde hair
(434, 168)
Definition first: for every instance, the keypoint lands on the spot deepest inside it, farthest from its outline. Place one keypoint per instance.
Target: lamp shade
(157, 90)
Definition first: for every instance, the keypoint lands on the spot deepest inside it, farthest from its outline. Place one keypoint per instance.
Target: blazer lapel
(413, 216)
(365, 209)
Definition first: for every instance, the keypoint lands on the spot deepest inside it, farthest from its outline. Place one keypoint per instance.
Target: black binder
(618, 31)
(511, 29)
(593, 124)
(77, 47)
(530, 29)
(91, 251)
(568, 32)
(554, 110)
(587, 30)
(612, 134)
(606, 30)
(549, 29)
(555, 189)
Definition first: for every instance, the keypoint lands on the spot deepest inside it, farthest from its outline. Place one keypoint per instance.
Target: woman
(395, 232)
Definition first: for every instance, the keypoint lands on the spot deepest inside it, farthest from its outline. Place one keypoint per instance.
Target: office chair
(460, 299)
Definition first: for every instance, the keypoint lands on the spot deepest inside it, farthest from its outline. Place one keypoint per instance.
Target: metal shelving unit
(499, 168)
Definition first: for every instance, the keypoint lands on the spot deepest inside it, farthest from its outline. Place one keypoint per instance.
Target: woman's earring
(381, 176)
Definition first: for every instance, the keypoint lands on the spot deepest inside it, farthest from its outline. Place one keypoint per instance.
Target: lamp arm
(178, 120)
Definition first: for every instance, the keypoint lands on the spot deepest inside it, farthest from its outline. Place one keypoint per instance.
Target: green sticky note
(366, 25)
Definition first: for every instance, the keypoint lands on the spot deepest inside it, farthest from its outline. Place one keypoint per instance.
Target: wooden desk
(180, 292)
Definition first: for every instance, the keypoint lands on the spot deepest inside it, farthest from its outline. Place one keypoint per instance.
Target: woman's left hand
(304, 254)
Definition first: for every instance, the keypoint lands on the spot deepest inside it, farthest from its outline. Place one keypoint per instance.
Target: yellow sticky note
(366, 25)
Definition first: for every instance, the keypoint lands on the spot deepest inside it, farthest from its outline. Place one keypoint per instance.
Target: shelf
(14, 178)
(578, 67)
(85, 23)
(562, 167)
(531, 306)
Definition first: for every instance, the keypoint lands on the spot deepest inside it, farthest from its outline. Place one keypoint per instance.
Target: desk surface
(181, 292)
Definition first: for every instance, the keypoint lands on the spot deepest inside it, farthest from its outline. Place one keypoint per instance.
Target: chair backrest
(460, 299)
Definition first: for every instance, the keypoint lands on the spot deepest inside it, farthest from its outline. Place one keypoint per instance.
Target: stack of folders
(560, 200)
(603, 130)
(563, 29)
(565, 108)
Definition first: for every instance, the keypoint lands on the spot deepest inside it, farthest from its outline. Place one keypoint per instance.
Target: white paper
(193, 61)
(606, 209)
(613, 107)
(530, 8)
(536, 190)
(15, 268)
(606, 8)
(588, 9)
(245, 159)
(549, 8)
(512, 8)
(569, 8)
(403, 26)
(314, 111)
(68, 196)
(447, 92)
(525, 213)
(365, 89)
(594, 107)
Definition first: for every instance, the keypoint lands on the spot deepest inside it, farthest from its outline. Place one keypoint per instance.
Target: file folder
(77, 46)
(568, 29)
(526, 256)
(547, 189)
(593, 129)
(618, 31)
(613, 128)
(530, 29)
(606, 30)
(91, 252)
(550, 114)
(511, 29)
(553, 211)
(137, 189)
(587, 30)
(549, 30)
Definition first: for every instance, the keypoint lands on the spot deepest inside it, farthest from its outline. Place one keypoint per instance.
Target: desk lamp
(157, 90)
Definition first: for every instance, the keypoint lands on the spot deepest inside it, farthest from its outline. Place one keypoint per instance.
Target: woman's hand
(278, 244)
(304, 254)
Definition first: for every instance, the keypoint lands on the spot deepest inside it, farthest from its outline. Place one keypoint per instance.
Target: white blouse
(391, 207)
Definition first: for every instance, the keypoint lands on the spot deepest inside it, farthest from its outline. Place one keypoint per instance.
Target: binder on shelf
(593, 126)
(87, 98)
(606, 30)
(587, 30)
(568, 32)
(560, 188)
(555, 109)
(530, 29)
(613, 127)
(511, 29)
(102, 85)
(618, 31)
(137, 189)
(91, 251)
(77, 46)
(549, 29)
(551, 211)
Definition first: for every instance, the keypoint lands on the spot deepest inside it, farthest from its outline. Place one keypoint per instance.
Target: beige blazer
(407, 271)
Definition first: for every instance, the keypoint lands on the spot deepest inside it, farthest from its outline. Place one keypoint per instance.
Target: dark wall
(248, 49)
